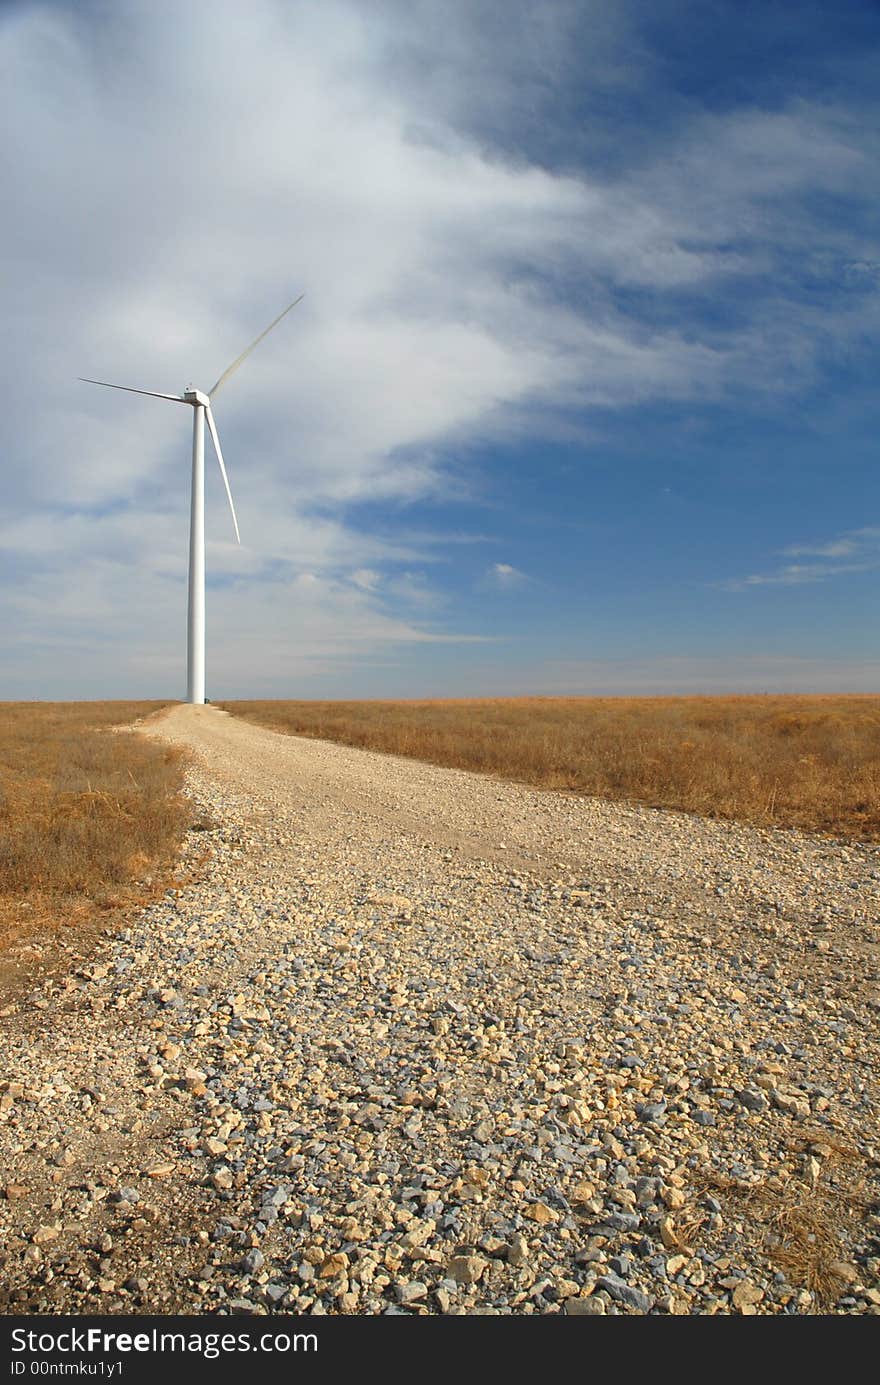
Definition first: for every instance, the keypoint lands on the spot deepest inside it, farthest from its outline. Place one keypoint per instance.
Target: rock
(542, 1214)
(494, 1247)
(668, 1234)
(746, 1294)
(412, 1291)
(625, 1293)
(518, 1250)
(44, 1234)
(582, 1192)
(673, 1198)
(700, 1117)
(15, 1192)
(790, 1103)
(126, 1194)
(753, 1100)
(466, 1269)
(389, 900)
(584, 1307)
(623, 1221)
(651, 1112)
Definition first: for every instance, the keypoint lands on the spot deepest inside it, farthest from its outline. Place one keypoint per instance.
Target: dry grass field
(809, 762)
(85, 814)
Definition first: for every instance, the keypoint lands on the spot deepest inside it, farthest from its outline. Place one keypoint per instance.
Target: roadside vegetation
(807, 762)
(88, 815)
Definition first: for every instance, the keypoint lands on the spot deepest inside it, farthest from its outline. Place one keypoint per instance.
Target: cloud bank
(856, 551)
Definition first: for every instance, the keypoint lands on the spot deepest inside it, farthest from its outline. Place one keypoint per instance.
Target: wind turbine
(201, 407)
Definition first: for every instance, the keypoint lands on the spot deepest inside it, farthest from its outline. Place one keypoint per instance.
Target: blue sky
(582, 397)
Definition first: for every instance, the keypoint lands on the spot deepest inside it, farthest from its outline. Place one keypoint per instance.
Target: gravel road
(410, 1040)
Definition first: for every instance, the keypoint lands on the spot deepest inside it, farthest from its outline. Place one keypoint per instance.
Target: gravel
(408, 1040)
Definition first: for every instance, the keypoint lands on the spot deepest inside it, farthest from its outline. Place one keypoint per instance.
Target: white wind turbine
(201, 407)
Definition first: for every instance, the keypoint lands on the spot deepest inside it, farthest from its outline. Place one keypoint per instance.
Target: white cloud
(855, 541)
(505, 576)
(414, 592)
(303, 625)
(366, 579)
(795, 575)
(861, 544)
(839, 548)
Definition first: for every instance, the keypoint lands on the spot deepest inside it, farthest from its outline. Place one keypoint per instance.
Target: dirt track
(419, 1041)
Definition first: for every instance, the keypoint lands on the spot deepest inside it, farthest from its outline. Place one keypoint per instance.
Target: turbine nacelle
(196, 397)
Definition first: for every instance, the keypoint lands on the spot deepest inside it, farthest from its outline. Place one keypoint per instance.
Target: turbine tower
(201, 407)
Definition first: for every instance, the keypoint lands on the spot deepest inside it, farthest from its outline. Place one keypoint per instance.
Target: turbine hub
(196, 397)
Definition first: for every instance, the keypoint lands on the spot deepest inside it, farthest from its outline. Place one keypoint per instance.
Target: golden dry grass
(799, 1224)
(84, 812)
(810, 762)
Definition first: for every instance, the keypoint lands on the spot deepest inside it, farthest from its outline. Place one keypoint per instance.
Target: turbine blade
(152, 393)
(216, 441)
(238, 360)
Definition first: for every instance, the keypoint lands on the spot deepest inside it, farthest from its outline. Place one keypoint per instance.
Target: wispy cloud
(366, 579)
(413, 590)
(863, 545)
(505, 577)
(838, 548)
(855, 541)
